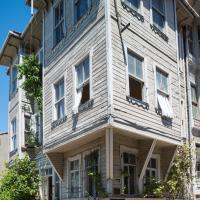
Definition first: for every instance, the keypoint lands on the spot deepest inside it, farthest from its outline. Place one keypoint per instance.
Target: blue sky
(14, 15)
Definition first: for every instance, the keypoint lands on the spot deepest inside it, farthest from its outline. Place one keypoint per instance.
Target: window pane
(133, 3)
(158, 20)
(56, 15)
(194, 94)
(162, 81)
(139, 70)
(86, 69)
(159, 5)
(131, 64)
(61, 10)
(79, 72)
(153, 163)
(136, 88)
(125, 156)
(81, 8)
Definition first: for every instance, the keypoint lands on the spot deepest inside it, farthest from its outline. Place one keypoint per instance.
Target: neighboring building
(188, 22)
(4, 151)
(24, 119)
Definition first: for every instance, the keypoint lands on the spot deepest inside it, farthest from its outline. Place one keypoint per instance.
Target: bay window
(162, 82)
(13, 80)
(58, 22)
(136, 80)
(158, 13)
(59, 99)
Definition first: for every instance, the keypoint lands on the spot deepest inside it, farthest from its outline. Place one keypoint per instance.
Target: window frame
(13, 135)
(194, 103)
(55, 5)
(86, 153)
(125, 149)
(164, 14)
(72, 159)
(144, 70)
(75, 2)
(55, 102)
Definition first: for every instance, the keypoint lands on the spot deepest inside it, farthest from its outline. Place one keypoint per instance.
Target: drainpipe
(188, 99)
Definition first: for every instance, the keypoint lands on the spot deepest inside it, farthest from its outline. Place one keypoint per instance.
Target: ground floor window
(74, 177)
(91, 173)
(57, 187)
(129, 173)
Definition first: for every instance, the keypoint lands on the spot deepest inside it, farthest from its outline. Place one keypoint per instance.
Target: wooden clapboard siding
(60, 61)
(155, 51)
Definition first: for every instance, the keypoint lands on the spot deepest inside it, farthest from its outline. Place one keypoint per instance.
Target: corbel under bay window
(59, 100)
(135, 76)
(162, 82)
(82, 93)
(158, 13)
(58, 22)
(195, 108)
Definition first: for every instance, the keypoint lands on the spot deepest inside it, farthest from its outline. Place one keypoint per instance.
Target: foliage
(32, 71)
(20, 181)
(179, 179)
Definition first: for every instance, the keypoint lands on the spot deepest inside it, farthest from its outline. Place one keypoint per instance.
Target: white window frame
(13, 134)
(165, 28)
(157, 170)
(140, 8)
(54, 183)
(194, 103)
(125, 149)
(56, 3)
(90, 56)
(144, 66)
(54, 98)
(71, 159)
(86, 153)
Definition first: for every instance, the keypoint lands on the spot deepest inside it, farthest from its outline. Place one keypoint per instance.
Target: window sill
(159, 32)
(58, 122)
(132, 11)
(12, 153)
(86, 106)
(137, 102)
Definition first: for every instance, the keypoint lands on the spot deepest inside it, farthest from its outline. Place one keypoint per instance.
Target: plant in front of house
(20, 181)
(31, 71)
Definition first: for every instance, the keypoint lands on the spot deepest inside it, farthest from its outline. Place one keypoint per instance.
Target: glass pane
(131, 64)
(153, 174)
(153, 163)
(159, 5)
(86, 68)
(193, 93)
(139, 69)
(125, 156)
(61, 10)
(79, 71)
(61, 86)
(133, 3)
(56, 15)
(158, 20)
(162, 81)
(81, 8)
(76, 164)
(57, 91)
(125, 185)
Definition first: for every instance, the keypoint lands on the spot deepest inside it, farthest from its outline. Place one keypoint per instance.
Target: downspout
(188, 98)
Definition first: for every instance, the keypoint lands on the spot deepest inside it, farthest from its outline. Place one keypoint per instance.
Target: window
(39, 56)
(134, 4)
(38, 128)
(58, 22)
(27, 128)
(163, 93)
(129, 173)
(82, 94)
(14, 135)
(91, 167)
(74, 178)
(59, 99)
(81, 8)
(13, 79)
(135, 71)
(158, 13)
(151, 171)
(57, 187)
(199, 38)
(195, 109)
(190, 39)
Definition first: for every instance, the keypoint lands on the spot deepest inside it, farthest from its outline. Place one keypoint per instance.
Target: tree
(20, 181)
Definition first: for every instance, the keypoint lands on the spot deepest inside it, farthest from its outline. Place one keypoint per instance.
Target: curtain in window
(165, 106)
(78, 96)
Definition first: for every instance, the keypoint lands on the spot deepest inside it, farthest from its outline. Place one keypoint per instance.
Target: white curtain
(78, 97)
(165, 106)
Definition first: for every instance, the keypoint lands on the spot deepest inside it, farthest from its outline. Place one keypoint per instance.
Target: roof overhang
(10, 48)
(37, 3)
